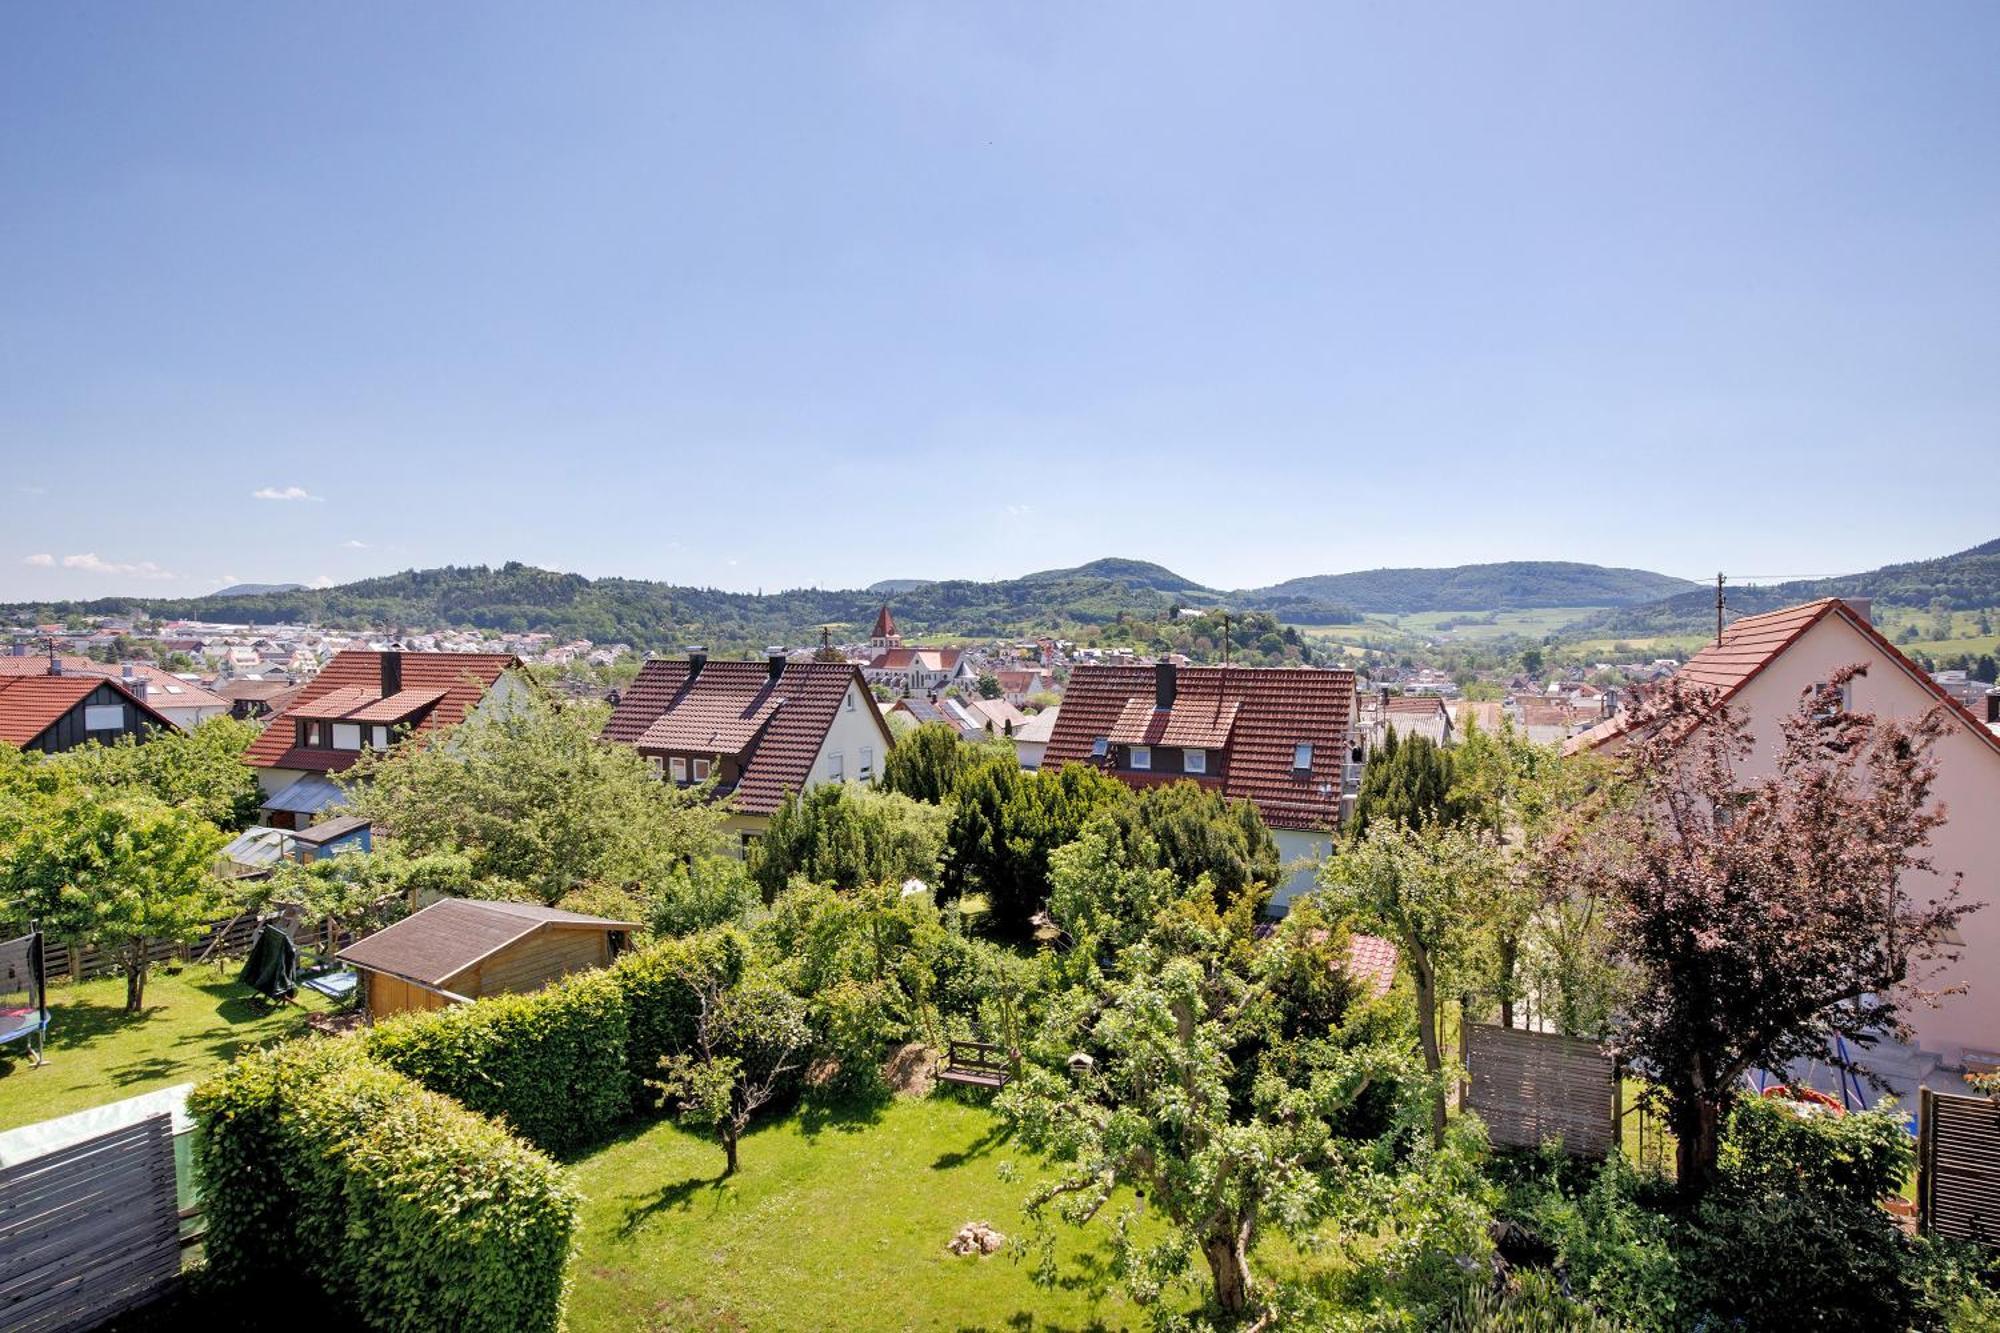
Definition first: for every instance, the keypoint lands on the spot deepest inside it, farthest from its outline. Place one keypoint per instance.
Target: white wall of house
(1029, 752)
(855, 728)
(1300, 851)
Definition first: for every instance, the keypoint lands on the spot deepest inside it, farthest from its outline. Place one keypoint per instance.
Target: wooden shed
(463, 949)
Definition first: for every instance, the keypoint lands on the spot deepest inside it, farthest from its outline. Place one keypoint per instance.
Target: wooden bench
(977, 1064)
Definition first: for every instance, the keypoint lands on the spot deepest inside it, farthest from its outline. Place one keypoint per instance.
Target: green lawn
(838, 1224)
(193, 1023)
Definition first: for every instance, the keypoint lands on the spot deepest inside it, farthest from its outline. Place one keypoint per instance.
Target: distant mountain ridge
(649, 614)
(255, 589)
(1965, 580)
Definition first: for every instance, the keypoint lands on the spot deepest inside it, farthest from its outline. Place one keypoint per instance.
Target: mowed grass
(830, 1224)
(193, 1023)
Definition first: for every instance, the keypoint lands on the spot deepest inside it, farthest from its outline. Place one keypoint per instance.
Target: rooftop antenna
(1718, 606)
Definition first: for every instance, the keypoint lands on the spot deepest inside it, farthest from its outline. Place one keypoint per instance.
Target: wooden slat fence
(1958, 1167)
(1530, 1087)
(89, 1231)
(66, 961)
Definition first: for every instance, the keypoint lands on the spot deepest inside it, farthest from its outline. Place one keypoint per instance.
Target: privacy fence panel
(226, 937)
(1530, 1087)
(1958, 1167)
(89, 1231)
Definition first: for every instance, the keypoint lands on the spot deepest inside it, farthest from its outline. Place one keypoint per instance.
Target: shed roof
(452, 934)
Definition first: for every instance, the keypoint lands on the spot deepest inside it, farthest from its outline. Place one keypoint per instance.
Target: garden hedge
(410, 1211)
(552, 1064)
(660, 1007)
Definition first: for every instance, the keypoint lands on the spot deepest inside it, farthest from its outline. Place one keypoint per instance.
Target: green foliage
(411, 1212)
(706, 892)
(749, 1037)
(200, 771)
(1408, 781)
(531, 795)
(925, 764)
(1192, 831)
(362, 891)
(847, 835)
(552, 1063)
(660, 1009)
(125, 873)
(1005, 824)
(1533, 1304)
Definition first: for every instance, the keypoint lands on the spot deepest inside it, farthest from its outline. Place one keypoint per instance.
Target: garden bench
(977, 1064)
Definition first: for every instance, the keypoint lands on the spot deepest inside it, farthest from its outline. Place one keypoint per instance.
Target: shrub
(409, 1210)
(660, 1008)
(552, 1063)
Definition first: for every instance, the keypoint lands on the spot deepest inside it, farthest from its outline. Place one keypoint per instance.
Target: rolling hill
(1507, 586)
(1965, 580)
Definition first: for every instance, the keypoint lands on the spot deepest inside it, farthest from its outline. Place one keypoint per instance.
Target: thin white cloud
(32, 490)
(41, 560)
(353, 545)
(1019, 511)
(283, 493)
(92, 563)
(323, 581)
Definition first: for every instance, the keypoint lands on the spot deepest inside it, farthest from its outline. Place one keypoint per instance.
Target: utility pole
(1718, 606)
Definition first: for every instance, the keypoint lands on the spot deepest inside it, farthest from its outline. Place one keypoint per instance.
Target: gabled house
(366, 700)
(179, 701)
(1410, 714)
(1760, 666)
(758, 730)
(1277, 737)
(54, 712)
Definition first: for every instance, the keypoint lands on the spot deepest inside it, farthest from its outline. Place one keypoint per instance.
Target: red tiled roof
(1276, 709)
(1193, 724)
(1372, 960)
(773, 729)
(460, 680)
(30, 705)
(1749, 645)
(930, 659)
(166, 690)
(885, 624)
(1417, 705)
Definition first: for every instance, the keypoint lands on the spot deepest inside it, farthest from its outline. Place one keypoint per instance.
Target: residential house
(1409, 714)
(759, 730)
(1031, 738)
(366, 700)
(1277, 737)
(54, 712)
(1549, 720)
(1760, 667)
(181, 702)
(461, 949)
(250, 698)
(1018, 685)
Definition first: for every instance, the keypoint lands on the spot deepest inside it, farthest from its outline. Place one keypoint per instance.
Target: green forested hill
(1964, 581)
(1507, 586)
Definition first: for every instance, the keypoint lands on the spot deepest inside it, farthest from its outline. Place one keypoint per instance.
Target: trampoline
(24, 1006)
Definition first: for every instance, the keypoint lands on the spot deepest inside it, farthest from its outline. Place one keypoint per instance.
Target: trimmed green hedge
(552, 1064)
(408, 1209)
(661, 1008)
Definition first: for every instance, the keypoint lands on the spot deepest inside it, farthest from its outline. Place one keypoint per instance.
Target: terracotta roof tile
(1276, 709)
(461, 680)
(773, 729)
(1190, 724)
(30, 705)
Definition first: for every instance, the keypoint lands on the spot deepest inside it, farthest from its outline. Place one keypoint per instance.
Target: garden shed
(463, 949)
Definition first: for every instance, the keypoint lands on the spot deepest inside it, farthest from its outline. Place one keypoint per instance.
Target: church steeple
(885, 635)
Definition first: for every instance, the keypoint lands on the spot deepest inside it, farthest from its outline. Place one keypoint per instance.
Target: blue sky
(762, 295)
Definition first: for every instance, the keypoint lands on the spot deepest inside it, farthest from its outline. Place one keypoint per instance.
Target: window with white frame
(1196, 761)
(701, 770)
(104, 717)
(380, 738)
(656, 765)
(679, 769)
(1142, 756)
(1302, 757)
(836, 767)
(347, 735)
(867, 769)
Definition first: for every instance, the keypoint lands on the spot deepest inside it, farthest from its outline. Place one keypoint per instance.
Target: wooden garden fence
(89, 1231)
(1958, 1167)
(225, 937)
(1530, 1087)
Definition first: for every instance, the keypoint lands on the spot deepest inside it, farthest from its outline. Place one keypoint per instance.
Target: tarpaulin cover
(273, 965)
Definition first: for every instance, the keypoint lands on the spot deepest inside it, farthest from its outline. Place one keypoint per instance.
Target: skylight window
(1100, 747)
(1302, 757)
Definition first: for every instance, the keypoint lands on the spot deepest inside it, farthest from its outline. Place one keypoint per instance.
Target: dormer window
(701, 770)
(1302, 757)
(1142, 756)
(1196, 761)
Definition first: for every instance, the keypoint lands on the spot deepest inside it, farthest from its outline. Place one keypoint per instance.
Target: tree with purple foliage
(1766, 916)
